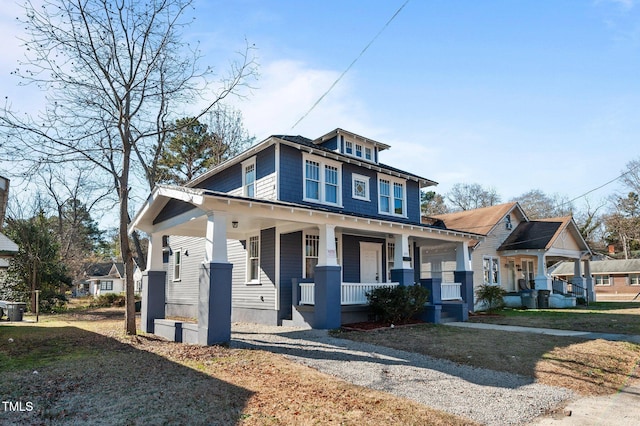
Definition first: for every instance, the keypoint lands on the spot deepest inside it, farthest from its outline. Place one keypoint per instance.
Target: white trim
(377, 248)
(366, 180)
(250, 280)
(245, 164)
(177, 253)
(392, 181)
(323, 163)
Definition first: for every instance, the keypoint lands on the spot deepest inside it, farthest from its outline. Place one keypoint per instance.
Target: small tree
(397, 304)
(492, 296)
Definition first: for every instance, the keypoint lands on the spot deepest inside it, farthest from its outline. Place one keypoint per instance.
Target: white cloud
(287, 90)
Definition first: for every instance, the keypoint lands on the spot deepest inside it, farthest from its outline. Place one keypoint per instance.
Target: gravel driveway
(486, 396)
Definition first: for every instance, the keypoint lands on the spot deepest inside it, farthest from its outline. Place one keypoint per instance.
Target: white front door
(370, 262)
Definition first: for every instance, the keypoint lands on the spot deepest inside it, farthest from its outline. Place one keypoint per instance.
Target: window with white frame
(311, 253)
(491, 270)
(253, 259)
(348, 147)
(311, 250)
(391, 253)
(367, 153)
(322, 182)
(331, 184)
(634, 279)
(177, 264)
(360, 185)
(602, 280)
(358, 150)
(392, 197)
(249, 178)
(106, 285)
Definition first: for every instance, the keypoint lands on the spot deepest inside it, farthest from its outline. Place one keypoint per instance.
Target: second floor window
(322, 181)
(250, 180)
(391, 197)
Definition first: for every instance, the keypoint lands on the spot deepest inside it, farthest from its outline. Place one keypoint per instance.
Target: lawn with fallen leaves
(80, 368)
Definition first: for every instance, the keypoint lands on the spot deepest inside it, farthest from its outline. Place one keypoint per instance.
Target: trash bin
(530, 299)
(15, 310)
(543, 299)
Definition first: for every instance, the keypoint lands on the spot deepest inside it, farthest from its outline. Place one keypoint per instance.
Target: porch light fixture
(234, 224)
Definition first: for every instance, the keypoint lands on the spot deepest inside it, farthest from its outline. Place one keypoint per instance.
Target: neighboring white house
(517, 251)
(108, 277)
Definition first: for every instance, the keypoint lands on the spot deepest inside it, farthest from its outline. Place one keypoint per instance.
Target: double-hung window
(253, 259)
(602, 280)
(106, 285)
(491, 270)
(348, 147)
(177, 264)
(392, 197)
(358, 150)
(367, 153)
(311, 253)
(634, 279)
(312, 180)
(322, 181)
(249, 178)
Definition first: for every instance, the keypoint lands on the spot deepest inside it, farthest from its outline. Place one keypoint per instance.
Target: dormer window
(348, 147)
(358, 150)
(367, 153)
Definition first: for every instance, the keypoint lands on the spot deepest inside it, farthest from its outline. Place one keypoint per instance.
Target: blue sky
(514, 95)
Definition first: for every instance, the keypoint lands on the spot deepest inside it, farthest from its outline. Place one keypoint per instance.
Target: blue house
(294, 231)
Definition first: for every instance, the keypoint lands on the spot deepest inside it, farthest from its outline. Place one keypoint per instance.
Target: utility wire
(351, 65)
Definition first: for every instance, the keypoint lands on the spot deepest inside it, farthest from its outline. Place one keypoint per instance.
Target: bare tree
(114, 71)
(465, 196)
(539, 205)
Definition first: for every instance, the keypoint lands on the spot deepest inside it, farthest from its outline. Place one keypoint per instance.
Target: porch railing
(350, 293)
(451, 291)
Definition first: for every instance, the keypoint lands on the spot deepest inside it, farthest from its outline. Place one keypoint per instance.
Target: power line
(351, 65)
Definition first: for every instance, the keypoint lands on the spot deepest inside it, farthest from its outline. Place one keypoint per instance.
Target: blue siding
(413, 201)
(351, 256)
(265, 162)
(290, 267)
(268, 253)
(360, 207)
(331, 144)
(225, 181)
(172, 209)
(290, 179)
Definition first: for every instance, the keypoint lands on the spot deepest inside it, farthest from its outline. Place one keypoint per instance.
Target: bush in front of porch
(397, 304)
(491, 296)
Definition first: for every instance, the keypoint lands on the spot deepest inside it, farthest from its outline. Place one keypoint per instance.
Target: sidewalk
(550, 331)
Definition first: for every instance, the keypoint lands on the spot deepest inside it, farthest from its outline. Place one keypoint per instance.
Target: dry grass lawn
(589, 367)
(81, 369)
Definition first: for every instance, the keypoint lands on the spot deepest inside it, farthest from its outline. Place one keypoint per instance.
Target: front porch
(236, 258)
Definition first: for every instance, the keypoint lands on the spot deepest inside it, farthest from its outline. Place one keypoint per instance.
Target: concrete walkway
(550, 331)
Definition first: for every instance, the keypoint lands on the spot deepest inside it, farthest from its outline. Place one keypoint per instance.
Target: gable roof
(105, 269)
(7, 247)
(613, 266)
(479, 221)
(534, 235)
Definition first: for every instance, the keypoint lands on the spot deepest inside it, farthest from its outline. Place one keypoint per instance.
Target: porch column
(153, 285)
(328, 281)
(543, 282)
(577, 275)
(464, 274)
(402, 272)
(214, 301)
(588, 278)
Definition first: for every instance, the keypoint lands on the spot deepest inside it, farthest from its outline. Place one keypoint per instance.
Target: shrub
(492, 296)
(109, 299)
(397, 304)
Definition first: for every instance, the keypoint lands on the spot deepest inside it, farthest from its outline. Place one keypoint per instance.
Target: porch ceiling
(251, 215)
